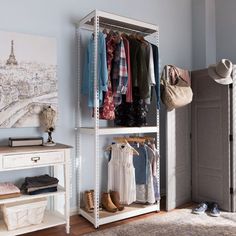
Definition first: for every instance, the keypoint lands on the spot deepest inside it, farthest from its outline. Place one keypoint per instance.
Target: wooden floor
(80, 226)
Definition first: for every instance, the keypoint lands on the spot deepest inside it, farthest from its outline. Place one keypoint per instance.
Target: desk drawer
(32, 159)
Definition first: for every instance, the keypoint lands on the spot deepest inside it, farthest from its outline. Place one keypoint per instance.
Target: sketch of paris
(28, 80)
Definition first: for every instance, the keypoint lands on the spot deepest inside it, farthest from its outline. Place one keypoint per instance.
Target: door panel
(178, 164)
(210, 140)
(233, 148)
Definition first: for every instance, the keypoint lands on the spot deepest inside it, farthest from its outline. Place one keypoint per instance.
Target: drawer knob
(35, 159)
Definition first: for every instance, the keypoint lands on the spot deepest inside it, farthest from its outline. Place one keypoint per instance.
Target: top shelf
(40, 148)
(123, 130)
(108, 19)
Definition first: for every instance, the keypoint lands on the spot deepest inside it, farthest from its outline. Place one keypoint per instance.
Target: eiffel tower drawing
(12, 59)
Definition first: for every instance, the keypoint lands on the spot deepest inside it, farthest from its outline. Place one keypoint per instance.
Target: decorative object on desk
(48, 119)
(28, 78)
(19, 142)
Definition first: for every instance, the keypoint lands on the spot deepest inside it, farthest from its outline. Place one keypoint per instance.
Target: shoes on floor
(214, 209)
(201, 208)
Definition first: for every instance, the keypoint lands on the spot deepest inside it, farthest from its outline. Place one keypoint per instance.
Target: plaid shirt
(129, 93)
(123, 71)
(120, 73)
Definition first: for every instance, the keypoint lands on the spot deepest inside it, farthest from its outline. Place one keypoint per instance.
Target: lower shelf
(50, 220)
(129, 211)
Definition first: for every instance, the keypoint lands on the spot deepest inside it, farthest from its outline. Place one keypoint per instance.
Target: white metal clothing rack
(94, 22)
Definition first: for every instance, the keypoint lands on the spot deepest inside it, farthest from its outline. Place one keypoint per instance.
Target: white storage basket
(24, 213)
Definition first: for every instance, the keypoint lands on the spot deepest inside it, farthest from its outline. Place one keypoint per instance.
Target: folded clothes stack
(9, 190)
(39, 184)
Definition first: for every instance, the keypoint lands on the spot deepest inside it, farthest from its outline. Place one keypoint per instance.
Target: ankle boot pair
(111, 201)
(89, 200)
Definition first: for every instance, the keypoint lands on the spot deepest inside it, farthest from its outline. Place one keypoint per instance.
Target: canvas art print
(28, 80)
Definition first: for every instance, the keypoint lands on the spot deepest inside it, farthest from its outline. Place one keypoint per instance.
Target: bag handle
(175, 69)
(163, 78)
(167, 70)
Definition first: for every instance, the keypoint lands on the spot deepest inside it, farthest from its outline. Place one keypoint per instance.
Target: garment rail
(96, 21)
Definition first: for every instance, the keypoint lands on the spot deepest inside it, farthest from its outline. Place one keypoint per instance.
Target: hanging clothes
(156, 71)
(151, 74)
(129, 97)
(141, 164)
(121, 173)
(88, 76)
(145, 193)
(139, 57)
(151, 69)
(107, 111)
(119, 75)
(123, 71)
(128, 69)
(132, 114)
(155, 173)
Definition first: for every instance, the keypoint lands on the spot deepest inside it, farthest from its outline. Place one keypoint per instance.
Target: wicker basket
(24, 213)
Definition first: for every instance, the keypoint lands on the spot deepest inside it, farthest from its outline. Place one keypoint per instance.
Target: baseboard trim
(74, 211)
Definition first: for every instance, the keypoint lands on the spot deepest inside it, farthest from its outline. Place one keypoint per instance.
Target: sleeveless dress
(121, 173)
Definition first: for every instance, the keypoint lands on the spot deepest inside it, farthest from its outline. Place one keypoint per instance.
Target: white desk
(18, 158)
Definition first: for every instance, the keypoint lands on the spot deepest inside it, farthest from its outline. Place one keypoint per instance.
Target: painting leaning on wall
(28, 78)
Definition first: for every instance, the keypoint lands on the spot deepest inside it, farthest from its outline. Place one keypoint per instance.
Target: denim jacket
(88, 74)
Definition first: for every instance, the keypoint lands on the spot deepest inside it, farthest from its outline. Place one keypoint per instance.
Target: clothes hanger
(109, 147)
(134, 139)
(137, 139)
(126, 141)
(149, 139)
(105, 31)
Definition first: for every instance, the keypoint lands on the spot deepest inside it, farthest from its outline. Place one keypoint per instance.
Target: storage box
(18, 142)
(24, 213)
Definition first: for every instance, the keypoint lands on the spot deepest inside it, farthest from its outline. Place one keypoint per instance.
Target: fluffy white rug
(176, 223)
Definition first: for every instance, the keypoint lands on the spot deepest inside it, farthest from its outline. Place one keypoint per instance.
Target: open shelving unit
(57, 158)
(94, 22)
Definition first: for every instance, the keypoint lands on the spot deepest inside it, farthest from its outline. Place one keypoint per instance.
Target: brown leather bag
(177, 95)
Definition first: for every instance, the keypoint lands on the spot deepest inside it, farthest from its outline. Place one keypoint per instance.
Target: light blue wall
(214, 27)
(199, 35)
(204, 33)
(226, 29)
(56, 18)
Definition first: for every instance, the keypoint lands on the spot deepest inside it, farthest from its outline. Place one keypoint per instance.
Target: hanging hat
(221, 72)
